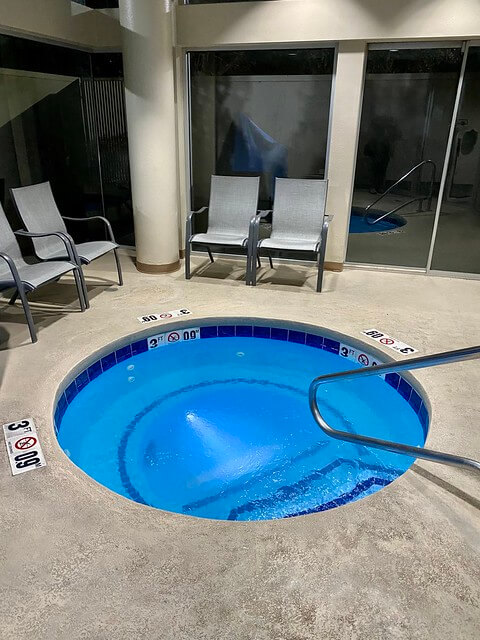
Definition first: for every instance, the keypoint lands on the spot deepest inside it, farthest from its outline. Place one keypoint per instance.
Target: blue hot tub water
(221, 428)
(358, 223)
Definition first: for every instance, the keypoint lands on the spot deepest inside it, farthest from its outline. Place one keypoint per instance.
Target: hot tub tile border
(315, 340)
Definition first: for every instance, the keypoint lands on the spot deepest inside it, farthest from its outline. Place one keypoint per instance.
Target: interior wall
(325, 20)
(55, 20)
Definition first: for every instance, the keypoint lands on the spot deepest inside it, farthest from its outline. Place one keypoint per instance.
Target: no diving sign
(182, 335)
(23, 448)
(387, 341)
(164, 315)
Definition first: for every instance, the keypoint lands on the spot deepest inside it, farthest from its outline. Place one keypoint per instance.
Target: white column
(346, 114)
(147, 28)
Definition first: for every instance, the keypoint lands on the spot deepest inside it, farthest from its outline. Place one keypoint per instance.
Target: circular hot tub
(212, 420)
(361, 224)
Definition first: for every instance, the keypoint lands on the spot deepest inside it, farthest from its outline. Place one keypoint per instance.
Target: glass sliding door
(258, 112)
(409, 96)
(457, 240)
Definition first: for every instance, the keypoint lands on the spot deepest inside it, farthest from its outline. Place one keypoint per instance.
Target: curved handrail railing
(446, 357)
(429, 196)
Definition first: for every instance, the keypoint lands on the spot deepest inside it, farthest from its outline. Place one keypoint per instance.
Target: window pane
(457, 244)
(60, 124)
(407, 107)
(259, 113)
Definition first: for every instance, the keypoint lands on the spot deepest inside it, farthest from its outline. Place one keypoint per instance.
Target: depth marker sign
(164, 315)
(388, 341)
(182, 335)
(23, 448)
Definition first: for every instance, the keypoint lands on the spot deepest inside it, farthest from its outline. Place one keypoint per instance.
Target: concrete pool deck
(80, 562)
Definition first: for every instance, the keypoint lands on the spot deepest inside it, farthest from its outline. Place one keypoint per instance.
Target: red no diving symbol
(363, 359)
(173, 337)
(387, 341)
(165, 315)
(26, 443)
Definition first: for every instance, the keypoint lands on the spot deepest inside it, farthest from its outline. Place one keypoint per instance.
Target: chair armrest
(102, 218)
(12, 265)
(326, 223)
(324, 232)
(254, 227)
(255, 222)
(188, 224)
(261, 213)
(64, 237)
(192, 213)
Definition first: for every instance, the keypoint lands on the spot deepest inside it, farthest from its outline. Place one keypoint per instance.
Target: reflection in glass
(259, 113)
(457, 243)
(62, 120)
(407, 107)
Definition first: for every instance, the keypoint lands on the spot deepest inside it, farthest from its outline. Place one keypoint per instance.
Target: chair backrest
(38, 210)
(298, 208)
(233, 203)
(8, 245)
(8, 242)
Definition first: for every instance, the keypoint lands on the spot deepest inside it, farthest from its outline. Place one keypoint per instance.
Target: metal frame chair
(39, 212)
(299, 223)
(25, 278)
(231, 212)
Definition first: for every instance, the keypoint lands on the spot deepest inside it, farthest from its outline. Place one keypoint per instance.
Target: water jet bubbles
(240, 354)
(131, 378)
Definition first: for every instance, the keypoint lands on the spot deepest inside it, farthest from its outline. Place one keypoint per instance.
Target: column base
(157, 268)
(333, 266)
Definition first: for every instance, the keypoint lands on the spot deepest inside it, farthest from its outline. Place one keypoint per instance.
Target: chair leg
(249, 261)
(187, 259)
(84, 286)
(79, 285)
(14, 297)
(28, 314)
(255, 261)
(119, 267)
(210, 254)
(271, 261)
(320, 260)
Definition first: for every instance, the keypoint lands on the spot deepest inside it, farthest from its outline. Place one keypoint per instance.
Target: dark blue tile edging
(402, 386)
(278, 334)
(226, 331)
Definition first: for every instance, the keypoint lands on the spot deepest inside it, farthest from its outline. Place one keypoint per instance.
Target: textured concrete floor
(79, 562)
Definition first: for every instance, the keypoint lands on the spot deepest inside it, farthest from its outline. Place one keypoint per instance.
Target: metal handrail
(446, 357)
(419, 199)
